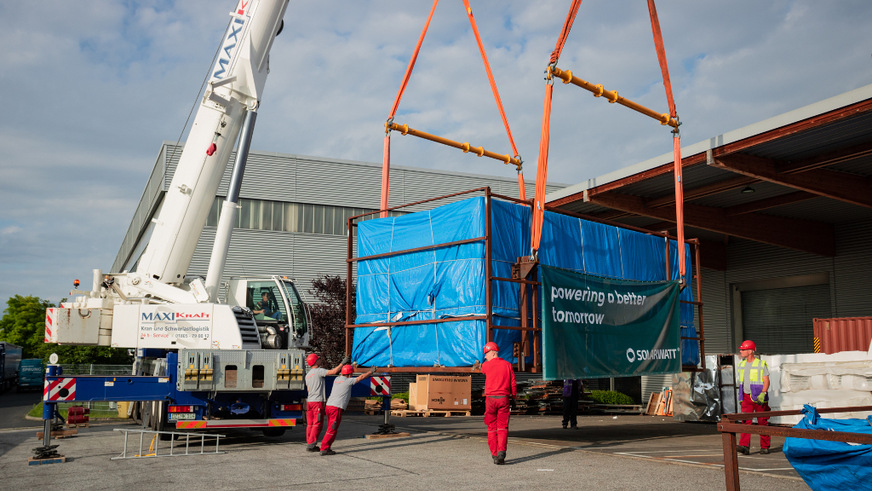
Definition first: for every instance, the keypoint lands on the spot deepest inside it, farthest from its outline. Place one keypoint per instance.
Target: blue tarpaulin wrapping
(449, 282)
(826, 465)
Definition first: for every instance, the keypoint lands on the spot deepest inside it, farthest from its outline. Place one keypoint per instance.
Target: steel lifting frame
(523, 273)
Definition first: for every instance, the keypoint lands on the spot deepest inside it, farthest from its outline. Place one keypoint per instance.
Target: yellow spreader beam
(612, 96)
(466, 147)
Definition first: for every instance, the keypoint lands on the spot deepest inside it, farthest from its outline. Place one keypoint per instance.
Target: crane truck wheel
(154, 418)
(160, 420)
(136, 413)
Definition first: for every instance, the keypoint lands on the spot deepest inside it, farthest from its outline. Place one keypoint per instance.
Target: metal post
(386, 407)
(48, 409)
(697, 276)
(349, 332)
(387, 428)
(537, 351)
(488, 273)
(224, 229)
(731, 461)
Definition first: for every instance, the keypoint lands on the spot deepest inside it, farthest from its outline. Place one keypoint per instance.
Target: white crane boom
(236, 84)
(154, 306)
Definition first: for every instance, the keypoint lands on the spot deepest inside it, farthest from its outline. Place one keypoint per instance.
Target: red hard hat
(312, 359)
(748, 344)
(347, 369)
(491, 346)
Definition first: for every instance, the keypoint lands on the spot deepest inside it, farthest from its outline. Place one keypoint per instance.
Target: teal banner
(596, 327)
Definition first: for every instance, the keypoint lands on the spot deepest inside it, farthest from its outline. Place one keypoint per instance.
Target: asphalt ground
(14, 406)
(606, 453)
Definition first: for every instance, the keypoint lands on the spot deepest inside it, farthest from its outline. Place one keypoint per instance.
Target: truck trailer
(10, 359)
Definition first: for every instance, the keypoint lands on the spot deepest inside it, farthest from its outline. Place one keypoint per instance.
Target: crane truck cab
(285, 320)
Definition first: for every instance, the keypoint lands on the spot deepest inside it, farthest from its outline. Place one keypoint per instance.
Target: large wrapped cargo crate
(433, 266)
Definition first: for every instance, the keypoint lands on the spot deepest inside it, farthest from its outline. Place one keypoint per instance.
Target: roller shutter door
(779, 320)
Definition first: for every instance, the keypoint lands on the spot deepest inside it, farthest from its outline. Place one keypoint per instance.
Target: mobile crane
(204, 358)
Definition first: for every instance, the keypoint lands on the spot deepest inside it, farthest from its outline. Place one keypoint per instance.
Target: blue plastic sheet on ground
(826, 465)
(449, 282)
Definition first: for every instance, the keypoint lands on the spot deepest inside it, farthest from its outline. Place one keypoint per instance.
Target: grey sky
(92, 89)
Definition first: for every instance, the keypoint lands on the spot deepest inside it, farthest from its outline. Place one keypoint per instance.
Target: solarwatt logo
(654, 354)
(172, 316)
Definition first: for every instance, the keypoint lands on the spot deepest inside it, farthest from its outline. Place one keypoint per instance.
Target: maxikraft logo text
(172, 316)
(228, 50)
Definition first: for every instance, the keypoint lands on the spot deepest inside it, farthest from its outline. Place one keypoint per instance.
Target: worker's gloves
(372, 370)
(761, 399)
(476, 366)
(345, 360)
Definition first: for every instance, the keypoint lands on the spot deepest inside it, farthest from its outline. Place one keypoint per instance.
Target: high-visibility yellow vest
(756, 376)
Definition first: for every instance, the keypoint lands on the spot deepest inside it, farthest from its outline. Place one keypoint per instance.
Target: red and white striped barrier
(62, 389)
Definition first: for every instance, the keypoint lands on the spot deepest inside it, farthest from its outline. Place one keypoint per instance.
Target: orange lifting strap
(670, 119)
(466, 147)
(386, 155)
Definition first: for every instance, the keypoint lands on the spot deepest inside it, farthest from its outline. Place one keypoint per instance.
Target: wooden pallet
(653, 402)
(374, 406)
(664, 405)
(58, 434)
(426, 413)
(51, 460)
(391, 435)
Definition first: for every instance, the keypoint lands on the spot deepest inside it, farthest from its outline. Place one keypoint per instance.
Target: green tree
(328, 317)
(23, 323)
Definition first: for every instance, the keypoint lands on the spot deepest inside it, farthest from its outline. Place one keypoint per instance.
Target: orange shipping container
(842, 334)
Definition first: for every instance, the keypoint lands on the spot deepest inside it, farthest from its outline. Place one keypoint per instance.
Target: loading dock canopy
(787, 181)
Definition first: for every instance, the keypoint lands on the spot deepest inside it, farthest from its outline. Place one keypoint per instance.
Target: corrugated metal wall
(144, 210)
(752, 261)
(303, 257)
(716, 306)
(853, 269)
(842, 334)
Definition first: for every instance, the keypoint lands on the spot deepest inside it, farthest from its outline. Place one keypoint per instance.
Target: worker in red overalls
(754, 388)
(499, 390)
(316, 399)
